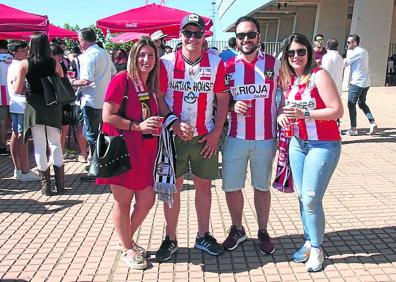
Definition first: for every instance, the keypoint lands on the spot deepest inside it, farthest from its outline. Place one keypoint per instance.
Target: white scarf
(164, 170)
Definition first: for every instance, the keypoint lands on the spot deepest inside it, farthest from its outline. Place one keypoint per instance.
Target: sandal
(134, 260)
(138, 249)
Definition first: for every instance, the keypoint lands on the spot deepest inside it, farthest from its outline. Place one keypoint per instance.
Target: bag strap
(125, 98)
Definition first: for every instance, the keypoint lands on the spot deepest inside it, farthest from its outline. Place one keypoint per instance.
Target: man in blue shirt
(231, 50)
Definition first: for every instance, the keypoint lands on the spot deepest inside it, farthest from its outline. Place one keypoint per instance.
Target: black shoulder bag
(57, 90)
(111, 157)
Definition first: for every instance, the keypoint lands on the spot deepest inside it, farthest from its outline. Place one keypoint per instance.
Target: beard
(251, 51)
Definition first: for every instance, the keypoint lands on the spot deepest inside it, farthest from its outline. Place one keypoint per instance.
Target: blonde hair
(133, 70)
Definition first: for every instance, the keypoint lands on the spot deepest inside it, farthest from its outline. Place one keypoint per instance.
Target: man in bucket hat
(159, 39)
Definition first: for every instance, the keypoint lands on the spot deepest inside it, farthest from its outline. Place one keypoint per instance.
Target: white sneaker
(373, 128)
(29, 177)
(315, 261)
(351, 132)
(17, 174)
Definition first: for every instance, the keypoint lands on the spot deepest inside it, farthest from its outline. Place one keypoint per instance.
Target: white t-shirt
(5, 61)
(17, 101)
(95, 66)
(334, 64)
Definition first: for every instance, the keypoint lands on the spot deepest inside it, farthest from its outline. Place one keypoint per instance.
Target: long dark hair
(39, 47)
(287, 70)
(153, 77)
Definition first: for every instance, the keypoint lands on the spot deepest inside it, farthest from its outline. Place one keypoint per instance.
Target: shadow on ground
(383, 135)
(362, 246)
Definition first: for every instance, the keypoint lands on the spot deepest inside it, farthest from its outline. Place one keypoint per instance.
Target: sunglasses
(250, 35)
(349, 42)
(300, 52)
(195, 34)
(320, 40)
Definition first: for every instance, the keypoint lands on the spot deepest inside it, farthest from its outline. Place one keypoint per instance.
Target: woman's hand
(283, 120)
(293, 112)
(149, 125)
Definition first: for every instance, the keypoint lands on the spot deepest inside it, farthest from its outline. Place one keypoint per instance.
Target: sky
(87, 12)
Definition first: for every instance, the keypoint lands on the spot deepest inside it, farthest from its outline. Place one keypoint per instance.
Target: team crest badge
(194, 72)
(269, 73)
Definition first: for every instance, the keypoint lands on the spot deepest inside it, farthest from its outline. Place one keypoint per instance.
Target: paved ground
(71, 237)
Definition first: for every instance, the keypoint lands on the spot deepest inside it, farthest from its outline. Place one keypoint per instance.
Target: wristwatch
(307, 114)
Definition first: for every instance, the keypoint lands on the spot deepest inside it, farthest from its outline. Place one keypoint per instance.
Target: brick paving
(71, 237)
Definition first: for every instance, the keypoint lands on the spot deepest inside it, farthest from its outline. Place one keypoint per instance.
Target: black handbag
(57, 90)
(111, 157)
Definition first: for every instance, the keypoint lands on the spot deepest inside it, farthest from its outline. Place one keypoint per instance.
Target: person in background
(44, 121)
(82, 157)
(319, 49)
(18, 148)
(159, 39)
(359, 84)
(190, 80)
(58, 54)
(96, 70)
(141, 78)
(5, 61)
(333, 63)
(231, 51)
(168, 49)
(251, 137)
(315, 148)
(262, 47)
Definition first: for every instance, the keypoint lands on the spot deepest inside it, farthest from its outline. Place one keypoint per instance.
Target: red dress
(143, 151)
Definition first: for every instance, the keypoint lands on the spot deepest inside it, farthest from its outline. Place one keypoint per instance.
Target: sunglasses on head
(250, 35)
(300, 52)
(195, 34)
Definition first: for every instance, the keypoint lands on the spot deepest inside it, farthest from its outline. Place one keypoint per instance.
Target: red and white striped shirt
(256, 81)
(306, 96)
(190, 89)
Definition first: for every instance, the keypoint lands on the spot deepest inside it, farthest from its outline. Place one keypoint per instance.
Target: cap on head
(157, 35)
(192, 19)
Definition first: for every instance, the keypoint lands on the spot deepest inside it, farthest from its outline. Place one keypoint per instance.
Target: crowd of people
(197, 91)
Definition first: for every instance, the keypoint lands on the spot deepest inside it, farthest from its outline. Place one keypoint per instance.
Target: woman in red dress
(140, 82)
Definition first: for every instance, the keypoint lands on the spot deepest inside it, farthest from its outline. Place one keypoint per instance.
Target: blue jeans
(92, 118)
(358, 95)
(312, 164)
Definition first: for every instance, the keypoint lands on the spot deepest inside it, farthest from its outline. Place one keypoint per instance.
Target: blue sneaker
(208, 244)
(302, 255)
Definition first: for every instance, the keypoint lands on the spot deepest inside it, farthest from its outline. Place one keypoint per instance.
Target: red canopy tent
(53, 32)
(12, 19)
(148, 19)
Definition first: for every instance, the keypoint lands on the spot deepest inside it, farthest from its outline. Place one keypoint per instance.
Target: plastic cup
(289, 130)
(157, 131)
(249, 111)
(71, 74)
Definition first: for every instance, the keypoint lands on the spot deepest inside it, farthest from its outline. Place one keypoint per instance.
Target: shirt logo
(308, 104)
(250, 91)
(190, 98)
(269, 73)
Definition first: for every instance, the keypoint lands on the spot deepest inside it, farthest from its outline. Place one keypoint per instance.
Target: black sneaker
(264, 241)
(87, 178)
(208, 244)
(166, 250)
(235, 237)
(3, 152)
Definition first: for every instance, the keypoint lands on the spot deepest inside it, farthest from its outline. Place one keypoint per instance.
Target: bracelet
(130, 125)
